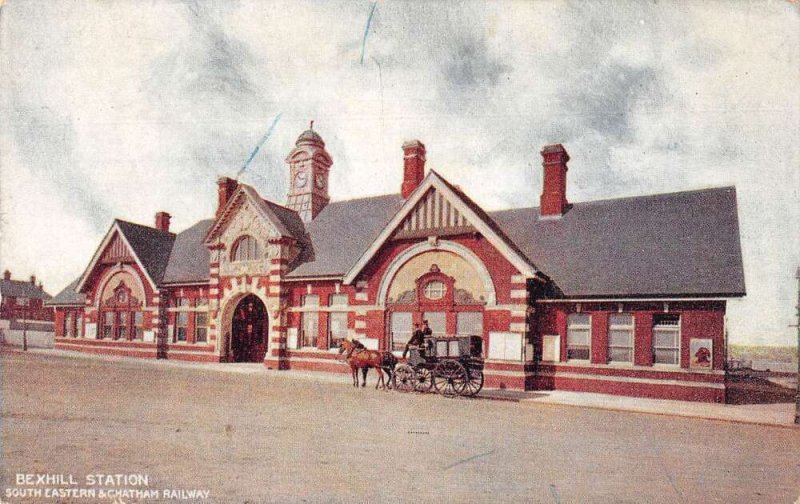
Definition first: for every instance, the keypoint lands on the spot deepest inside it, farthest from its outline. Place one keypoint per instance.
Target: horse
(360, 358)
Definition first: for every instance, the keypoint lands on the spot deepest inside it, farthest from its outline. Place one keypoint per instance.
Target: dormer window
(435, 290)
(245, 249)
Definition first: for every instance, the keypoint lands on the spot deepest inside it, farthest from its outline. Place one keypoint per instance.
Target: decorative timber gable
(436, 209)
(434, 214)
(116, 251)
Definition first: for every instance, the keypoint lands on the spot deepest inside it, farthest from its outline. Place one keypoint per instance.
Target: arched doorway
(249, 330)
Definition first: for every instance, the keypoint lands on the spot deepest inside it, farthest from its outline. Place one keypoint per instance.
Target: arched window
(245, 249)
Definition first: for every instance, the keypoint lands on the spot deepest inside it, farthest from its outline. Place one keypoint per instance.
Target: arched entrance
(249, 330)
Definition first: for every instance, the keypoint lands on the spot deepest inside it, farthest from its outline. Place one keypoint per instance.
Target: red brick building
(24, 318)
(624, 296)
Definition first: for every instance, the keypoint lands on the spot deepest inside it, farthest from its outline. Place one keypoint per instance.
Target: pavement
(780, 414)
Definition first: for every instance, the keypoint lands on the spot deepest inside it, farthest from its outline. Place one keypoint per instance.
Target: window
(181, 302)
(138, 325)
(338, 300)
(245, 249)
(181, 325)
(337, 330)
(437, 321)
(469, 324)
(310, 329)
(122, 326)
(310, 321)
(108, 324)
(435, 290)
(79, 325)
(666, 339)
(401, 327)
(68, 326)
(200, 327)
(579, 333)
(23, 301)
(337, 322)
(620, 337)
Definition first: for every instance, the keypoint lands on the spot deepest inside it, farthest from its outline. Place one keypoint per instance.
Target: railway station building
(623, 296)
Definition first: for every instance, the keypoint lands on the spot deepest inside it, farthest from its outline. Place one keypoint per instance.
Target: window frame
(401, 345)
(181, 328)
(250, 252)
(630, 329)
(579, 327)
(675, 329)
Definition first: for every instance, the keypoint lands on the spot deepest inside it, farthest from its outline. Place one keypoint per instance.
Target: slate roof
(150, 245)
(68, 296)
(678, 244)
(188, 260)
(342, 232)
(668, 245)
(21, 288)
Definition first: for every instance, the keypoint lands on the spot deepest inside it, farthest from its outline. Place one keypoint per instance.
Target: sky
(122, 108)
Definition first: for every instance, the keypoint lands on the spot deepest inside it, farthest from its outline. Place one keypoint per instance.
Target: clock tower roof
(310, 137)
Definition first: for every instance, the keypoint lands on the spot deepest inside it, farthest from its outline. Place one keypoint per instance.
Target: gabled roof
(342, 232)
(68, 296)
(679, 244)
(21, 288)
(150, 248)
(188, 261)
(286, 221)
(474, 214)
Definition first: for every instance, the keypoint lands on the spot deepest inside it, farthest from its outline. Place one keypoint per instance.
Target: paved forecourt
(265, 437)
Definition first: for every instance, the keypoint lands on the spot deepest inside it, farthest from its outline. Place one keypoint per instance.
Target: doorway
(249, 331)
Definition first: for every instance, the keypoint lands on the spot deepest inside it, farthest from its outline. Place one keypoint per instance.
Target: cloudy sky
(123, 108)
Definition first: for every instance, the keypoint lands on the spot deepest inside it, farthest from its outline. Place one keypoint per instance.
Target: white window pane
(620, 354)
(665, 338)
(620, 319)
(401, 329)
(311, 300)
(617, 337)
(666, 356)
(576, 319)
(578, 337)
(469, 323)
(338, 299)
(437, 321)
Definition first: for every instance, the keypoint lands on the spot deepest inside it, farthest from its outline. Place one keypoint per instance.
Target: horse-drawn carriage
(452, 365)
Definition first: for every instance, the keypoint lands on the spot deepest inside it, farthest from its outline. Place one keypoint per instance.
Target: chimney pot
(226, 187)
(413, 166)
(7, 275)
(553, 201)
(33, 279)
(162, 221)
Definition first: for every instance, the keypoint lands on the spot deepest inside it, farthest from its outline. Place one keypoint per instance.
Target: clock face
(320, 181)
(301, 179)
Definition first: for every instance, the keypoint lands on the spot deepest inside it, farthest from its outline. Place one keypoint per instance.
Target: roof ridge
(361, 198)
(623, 198)
(151, 228)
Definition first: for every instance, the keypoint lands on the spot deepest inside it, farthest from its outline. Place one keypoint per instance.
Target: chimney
(6, 275)
(227, 186)
(33, 279)
(553, 202)
(413, 166)
(162, 221)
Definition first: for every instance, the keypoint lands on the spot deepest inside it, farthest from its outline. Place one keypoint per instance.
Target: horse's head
(345, 346)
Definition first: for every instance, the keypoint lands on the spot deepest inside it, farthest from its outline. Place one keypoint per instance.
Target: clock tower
(309, 164)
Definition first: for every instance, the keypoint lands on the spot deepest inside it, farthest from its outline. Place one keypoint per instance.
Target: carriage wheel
(424, 380)
(474, 382)
(403, 378)
(449, 378)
